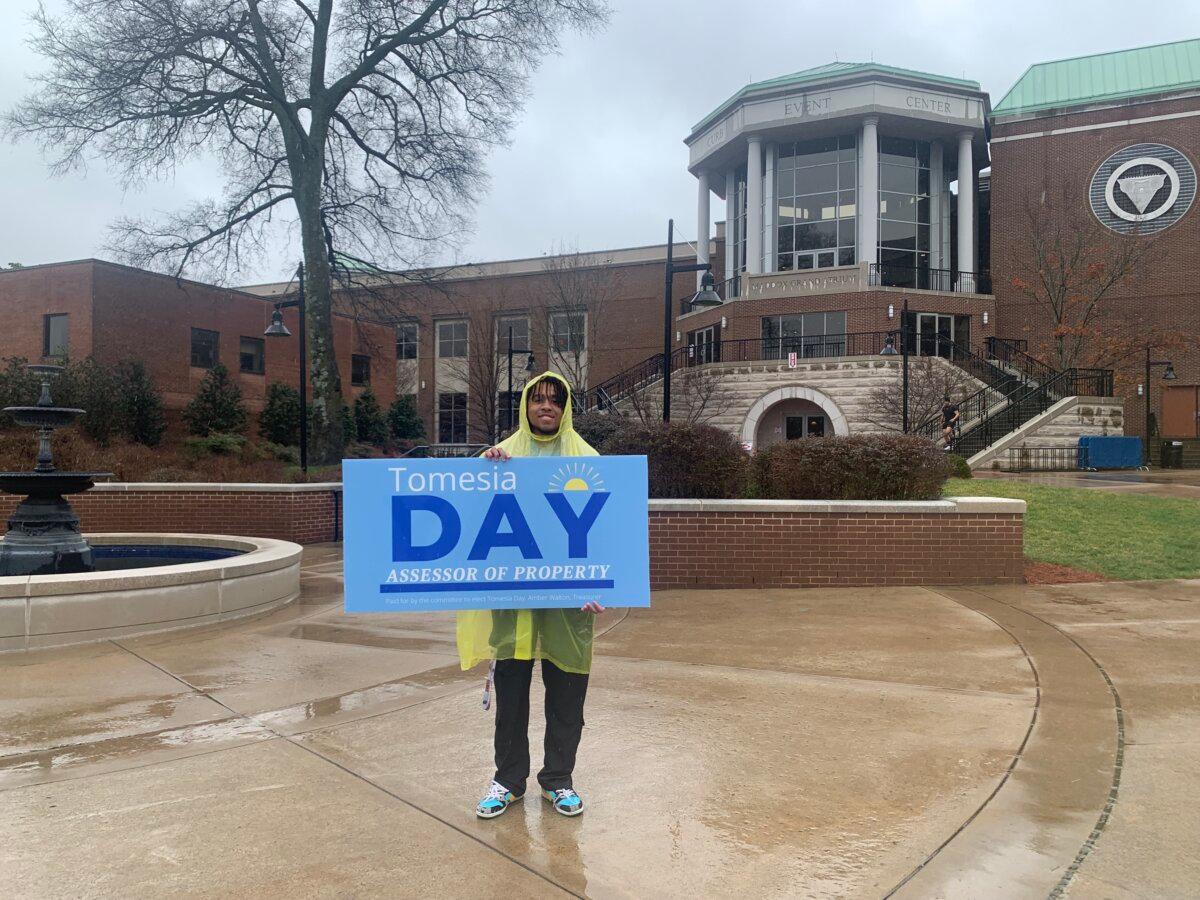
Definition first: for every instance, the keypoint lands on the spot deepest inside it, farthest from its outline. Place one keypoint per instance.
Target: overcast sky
(598, 159)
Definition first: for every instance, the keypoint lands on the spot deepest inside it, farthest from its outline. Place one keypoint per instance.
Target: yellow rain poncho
(563, 636)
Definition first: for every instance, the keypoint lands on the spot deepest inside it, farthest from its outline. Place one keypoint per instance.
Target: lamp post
(278, 329)
(706, 296)
(1168, 375)
(529, 366)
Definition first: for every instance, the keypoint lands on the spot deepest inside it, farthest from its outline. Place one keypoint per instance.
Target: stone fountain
(43, 532)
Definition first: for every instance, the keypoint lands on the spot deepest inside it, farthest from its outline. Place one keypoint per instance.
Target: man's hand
(496, 454)
(592, 607)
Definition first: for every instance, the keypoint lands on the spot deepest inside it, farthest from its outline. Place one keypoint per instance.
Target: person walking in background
(513, 639)
(950, 420)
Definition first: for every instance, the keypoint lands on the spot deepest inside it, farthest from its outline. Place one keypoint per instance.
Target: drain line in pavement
(1037, 683)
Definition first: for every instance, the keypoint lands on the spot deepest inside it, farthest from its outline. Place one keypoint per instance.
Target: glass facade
(816, 186)
(805, 334)
(904, 212)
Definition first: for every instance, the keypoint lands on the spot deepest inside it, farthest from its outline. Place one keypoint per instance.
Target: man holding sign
(561, 638)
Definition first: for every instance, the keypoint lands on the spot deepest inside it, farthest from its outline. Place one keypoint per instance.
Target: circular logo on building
(1143, 188)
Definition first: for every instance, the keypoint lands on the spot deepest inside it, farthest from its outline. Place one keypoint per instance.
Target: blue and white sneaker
(565, 801)
(498, 799)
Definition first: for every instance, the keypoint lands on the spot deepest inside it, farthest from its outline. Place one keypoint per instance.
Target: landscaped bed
(1122, 537)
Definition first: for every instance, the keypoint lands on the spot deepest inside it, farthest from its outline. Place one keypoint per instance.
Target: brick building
(870, 211)
(180, 329)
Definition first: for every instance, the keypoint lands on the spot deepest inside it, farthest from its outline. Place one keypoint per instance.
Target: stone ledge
(971, 505)
(216, 486)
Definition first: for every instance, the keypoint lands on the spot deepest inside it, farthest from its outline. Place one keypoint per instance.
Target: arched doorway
(793, 412)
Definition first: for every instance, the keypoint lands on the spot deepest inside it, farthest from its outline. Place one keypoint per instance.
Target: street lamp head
(889, 347)
(706, 296)
(1169, 375)
(530, 364)
(277, 328)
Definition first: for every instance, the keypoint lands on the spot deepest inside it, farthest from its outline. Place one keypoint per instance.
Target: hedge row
(700, 461)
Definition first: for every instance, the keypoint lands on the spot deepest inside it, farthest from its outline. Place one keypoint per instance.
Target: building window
(568, 331)
(406, 340)
(360, 370)
(54, 335)
(204, 348)
(250, 356)
(904, 212)
(808, 335)
(452, 339)
(520, 334)
(816, 183)
(452, 418)
(508, 409)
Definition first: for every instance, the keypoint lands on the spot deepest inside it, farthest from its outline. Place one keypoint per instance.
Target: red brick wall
(1162, 298)
(306, 517)
(790, 550)
(26, 295)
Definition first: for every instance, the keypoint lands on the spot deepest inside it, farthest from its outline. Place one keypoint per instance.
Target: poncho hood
(564, 442)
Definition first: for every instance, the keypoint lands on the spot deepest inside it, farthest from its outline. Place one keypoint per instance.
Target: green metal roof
(1104, 76)
(830, 70)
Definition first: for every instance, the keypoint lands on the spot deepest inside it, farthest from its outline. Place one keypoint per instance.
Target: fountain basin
(176, 587)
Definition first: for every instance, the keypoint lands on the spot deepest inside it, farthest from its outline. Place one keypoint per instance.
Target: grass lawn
(1123, 536)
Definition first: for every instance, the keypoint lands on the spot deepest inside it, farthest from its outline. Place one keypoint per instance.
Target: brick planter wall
(693, 543)
(804, 543)
(303, 513)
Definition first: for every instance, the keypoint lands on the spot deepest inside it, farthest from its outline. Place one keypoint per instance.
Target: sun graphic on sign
(577, 477)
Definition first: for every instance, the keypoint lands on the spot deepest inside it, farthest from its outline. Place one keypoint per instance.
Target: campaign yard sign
(530, 533)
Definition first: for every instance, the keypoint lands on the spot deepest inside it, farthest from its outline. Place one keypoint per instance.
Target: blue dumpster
(1109, 452)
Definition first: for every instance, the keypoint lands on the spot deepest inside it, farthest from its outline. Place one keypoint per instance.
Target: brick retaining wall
(303, 513)
(693, 543)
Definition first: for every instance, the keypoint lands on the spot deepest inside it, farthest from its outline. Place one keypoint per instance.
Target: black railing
(995, 345)
(1041, 459)
(444, 451)
(927, 279)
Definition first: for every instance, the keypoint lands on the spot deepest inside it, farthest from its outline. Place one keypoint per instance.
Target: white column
(754, 199)
(868, 196)
(966, 204)
(936, 170)
(703, 219)
(769, 209)
(730, 223)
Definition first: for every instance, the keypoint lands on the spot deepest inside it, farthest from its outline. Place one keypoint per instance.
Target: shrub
(17, 388)
(349, 430)
(600, 428)
(279, 421)
(686, 460)
(404, 423)
(141, 405)
(217, 406)
(858, 467)
(283, 453)
(958, 466)
(215, 444)
(369, 424)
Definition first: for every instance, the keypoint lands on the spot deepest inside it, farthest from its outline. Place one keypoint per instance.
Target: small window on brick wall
(360, 370)
(251, 356)
(204, 348)
(54, 335)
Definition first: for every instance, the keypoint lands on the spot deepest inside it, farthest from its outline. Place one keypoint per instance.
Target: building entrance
(1181, 411)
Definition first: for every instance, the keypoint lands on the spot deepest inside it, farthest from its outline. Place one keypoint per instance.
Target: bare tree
(368, 119)
(1069, 271)
(698, 395)
(929, 381)
(580, 287)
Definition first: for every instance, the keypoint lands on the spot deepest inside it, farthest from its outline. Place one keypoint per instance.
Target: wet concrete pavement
(1156, 482)
(916, 742)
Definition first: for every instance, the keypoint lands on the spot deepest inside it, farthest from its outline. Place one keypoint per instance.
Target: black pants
(565, 693)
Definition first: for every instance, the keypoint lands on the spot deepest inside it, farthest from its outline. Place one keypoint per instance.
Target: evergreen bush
(217, 406)
(279, 421)
(856, 467)
(958, 466)
(599, 428)
(349, 430)
(404, 423)
(141, 406)
(17, 388)
(686, 460)
(215, 443)
(98, 393)
(370, 426)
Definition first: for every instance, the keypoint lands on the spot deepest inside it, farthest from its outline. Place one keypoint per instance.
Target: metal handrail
(928, 279)
(444, 451)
